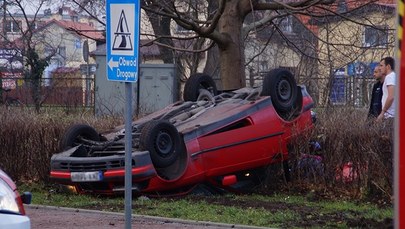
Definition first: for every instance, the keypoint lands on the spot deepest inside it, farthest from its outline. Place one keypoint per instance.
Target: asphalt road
(45, 217)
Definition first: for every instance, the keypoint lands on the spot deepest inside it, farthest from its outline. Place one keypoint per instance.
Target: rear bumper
(112, 169)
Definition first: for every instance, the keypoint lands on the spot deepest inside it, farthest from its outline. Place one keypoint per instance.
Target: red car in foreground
(206, 138)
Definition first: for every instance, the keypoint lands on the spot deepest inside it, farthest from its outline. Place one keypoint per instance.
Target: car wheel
(75, 133)
(280, 85)
(163, 142)
(196, 82)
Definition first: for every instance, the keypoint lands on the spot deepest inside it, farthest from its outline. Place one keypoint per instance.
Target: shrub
(28, 140)
(356, 153)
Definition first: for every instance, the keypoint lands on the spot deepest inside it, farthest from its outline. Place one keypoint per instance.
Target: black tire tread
(75, 131)
(193, 84)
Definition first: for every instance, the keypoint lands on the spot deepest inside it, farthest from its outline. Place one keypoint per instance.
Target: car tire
(195, 83)
(163, 142)
(70, 138)
(280, 85)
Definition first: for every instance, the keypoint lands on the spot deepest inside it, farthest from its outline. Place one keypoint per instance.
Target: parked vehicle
(12, 213)
(207, 138)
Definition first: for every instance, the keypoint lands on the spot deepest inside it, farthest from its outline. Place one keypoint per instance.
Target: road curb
(146, 217)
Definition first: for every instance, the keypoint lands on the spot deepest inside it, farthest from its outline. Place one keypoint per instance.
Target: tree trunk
(212, 65)
(36, 93)
(161, 25)
(231, 50)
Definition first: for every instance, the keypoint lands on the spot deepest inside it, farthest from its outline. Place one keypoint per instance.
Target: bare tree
(227, 28)
(23, 18)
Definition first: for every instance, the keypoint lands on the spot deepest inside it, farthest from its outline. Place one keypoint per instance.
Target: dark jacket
(375, 103)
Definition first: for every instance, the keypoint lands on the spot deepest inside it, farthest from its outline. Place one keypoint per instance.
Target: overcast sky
(31, 6)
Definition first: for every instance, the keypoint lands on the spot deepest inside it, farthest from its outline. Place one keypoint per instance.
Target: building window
(286, 24)
(376, 36)
(35, 24)
(263, 66)
(181, 29)
(62, 51)
(342, 6)
(13, 26)
(338, 90)
(78, 43)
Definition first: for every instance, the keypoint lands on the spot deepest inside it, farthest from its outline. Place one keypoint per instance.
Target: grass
(278, 210)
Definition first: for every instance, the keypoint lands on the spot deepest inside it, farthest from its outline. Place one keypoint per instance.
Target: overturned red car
(207, 138)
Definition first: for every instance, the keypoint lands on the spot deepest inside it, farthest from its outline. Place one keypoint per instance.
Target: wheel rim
(205, 95)
(284, 90)
(164, 143)
(207, 87)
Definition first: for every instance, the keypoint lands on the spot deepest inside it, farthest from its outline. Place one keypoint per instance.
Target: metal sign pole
(128, 153)
(122, 44)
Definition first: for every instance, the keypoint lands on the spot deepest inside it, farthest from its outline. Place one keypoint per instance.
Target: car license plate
(86, 176)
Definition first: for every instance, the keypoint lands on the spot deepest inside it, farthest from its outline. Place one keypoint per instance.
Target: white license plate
(86, 176)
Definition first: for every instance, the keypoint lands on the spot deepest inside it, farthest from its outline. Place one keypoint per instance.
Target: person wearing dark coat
(376, 95)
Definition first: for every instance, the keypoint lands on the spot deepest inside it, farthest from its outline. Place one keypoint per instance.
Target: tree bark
(231, 50)
(161, 25)
(212, 65)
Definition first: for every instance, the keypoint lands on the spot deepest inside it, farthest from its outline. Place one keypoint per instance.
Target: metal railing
(59, 92)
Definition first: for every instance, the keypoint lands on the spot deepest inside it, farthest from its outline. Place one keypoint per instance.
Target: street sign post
(122, 43)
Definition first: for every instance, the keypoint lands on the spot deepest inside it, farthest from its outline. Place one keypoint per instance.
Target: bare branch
(83, 7)
(185, 50)
(292, 6)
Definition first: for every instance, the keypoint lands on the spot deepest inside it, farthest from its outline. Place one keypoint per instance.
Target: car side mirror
(26, 197)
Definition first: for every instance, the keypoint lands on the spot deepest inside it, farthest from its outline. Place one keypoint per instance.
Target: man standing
(376, 95)
(387, 66)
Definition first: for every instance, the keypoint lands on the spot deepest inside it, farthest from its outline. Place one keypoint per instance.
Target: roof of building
(342, 9)
(82, 29)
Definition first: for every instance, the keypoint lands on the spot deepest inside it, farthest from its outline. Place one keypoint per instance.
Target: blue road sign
(122, 40)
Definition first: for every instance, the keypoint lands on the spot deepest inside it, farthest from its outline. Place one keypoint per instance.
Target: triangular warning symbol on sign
(122, 39)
